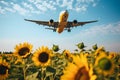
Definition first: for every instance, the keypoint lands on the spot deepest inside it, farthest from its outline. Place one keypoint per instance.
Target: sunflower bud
(81, 45)
(55, 48)
(95, 47)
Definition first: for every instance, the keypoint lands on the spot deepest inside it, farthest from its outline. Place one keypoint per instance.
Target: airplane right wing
(75, 23)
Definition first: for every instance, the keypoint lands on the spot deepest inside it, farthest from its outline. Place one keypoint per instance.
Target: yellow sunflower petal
(78, 70)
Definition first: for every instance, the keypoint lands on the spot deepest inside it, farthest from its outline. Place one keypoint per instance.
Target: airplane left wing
(38, 22)
(45, 23)
(75, 23)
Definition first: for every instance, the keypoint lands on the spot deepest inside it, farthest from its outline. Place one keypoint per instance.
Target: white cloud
(19, 9)
(48, 5)
(5, 3)
(84, 1)
(81, 8)
(28, 6)
(76, 5)
(9, 9)
(40, 6)
(1, 10)
(113, 28)
(66, 3)
(82, 5)
(43, 5)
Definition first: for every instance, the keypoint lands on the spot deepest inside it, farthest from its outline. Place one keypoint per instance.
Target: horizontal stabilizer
(50, 28)
(54, 29)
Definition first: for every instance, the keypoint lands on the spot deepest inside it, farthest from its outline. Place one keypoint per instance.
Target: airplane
(62, 24)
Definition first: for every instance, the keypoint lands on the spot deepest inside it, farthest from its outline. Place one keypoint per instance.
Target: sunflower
(23, 50)
(104, 64)
(41, 56)
(4, 66)
(67, 53)
(78, 70)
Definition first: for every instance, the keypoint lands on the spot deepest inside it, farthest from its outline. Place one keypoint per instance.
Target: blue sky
(105, 32)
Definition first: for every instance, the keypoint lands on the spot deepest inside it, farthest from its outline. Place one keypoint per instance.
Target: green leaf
(33, 76)
(50, 69)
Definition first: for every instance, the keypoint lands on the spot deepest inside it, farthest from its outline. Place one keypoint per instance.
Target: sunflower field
(45, 63)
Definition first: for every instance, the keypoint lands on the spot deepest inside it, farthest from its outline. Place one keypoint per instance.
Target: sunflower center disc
(105, 64)
(82, 74)
(43, 57)
(3, 69)
(23, 51)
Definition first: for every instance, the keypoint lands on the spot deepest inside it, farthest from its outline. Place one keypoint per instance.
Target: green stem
(24, 73)
(42, 70)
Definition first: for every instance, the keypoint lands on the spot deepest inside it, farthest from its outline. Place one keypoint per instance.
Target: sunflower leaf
(33, 76)
(50, 69)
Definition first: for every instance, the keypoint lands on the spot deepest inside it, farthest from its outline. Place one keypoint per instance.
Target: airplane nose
(66, 11)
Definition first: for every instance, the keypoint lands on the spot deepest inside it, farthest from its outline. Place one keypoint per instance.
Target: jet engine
(69, 30)
(51, 22)
(75, 22)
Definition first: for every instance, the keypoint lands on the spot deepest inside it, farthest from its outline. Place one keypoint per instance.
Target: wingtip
(25, 19)
(96, 20)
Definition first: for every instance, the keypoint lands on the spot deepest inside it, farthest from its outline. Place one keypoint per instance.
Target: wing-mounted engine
(75, 22)
(51, 22)
(69, 30)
